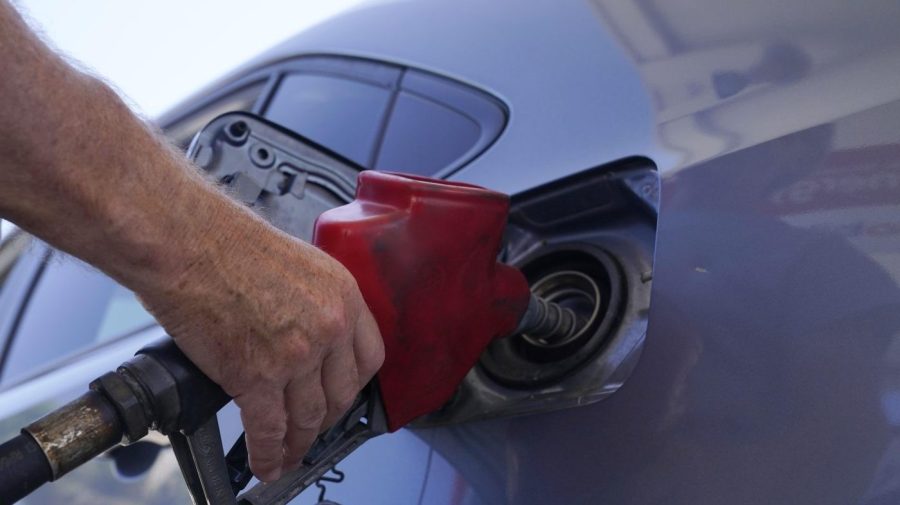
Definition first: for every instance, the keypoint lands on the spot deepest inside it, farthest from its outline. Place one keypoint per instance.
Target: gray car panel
(769, 368)
(769, 372)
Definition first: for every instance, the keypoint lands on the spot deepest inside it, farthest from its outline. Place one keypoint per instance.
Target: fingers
(306, 409)
(313, 406)
(340, 381)
(282, 424)
(367, 346)
(265, 423)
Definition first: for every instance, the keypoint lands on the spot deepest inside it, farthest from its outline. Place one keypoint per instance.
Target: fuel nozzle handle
(547, 322)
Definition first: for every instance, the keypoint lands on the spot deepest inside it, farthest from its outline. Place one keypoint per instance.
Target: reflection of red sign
(850, 178)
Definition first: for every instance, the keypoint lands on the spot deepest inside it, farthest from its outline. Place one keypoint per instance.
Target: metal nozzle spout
(547, 322)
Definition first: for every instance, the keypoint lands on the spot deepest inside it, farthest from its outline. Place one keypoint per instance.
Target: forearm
(279, 325)
(74, 157)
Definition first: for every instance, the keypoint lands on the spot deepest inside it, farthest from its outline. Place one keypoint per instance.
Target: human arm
(278, 324)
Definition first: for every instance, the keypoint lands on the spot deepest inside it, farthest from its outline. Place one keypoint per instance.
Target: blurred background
(157, 53)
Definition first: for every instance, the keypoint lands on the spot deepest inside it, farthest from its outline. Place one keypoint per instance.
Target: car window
(342, 114)
(72, 307)
(437, 125)
(424, 136)
(384, 116)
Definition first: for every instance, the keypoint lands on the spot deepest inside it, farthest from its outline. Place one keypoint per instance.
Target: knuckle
(262, 426)
(342, 276)
(371, 359)
(343, 403)
(299, 351)
(267, 460)
(269, 435)
(310, 419)
(377, 358)
(333, 319)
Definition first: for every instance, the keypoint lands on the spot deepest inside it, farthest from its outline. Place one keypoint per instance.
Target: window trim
(485, 110)
(339, 70)
(34, 272)
(372, 71)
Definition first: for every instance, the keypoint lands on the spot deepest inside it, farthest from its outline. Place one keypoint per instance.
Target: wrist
(199, 236)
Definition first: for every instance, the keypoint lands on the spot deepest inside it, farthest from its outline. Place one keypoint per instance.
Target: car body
(770, 370)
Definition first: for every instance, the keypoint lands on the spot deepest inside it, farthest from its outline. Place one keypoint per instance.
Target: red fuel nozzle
(424, 253)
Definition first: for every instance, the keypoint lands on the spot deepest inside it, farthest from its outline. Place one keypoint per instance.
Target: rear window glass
(425, 136)
(343, 115)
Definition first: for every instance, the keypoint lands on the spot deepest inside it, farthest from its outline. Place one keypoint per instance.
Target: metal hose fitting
(547, 322)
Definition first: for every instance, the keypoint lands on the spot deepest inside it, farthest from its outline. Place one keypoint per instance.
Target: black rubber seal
(514, 362)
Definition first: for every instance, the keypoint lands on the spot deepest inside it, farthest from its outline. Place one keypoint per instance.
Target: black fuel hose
(23, 468)
(57, 443)
(159, 388)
